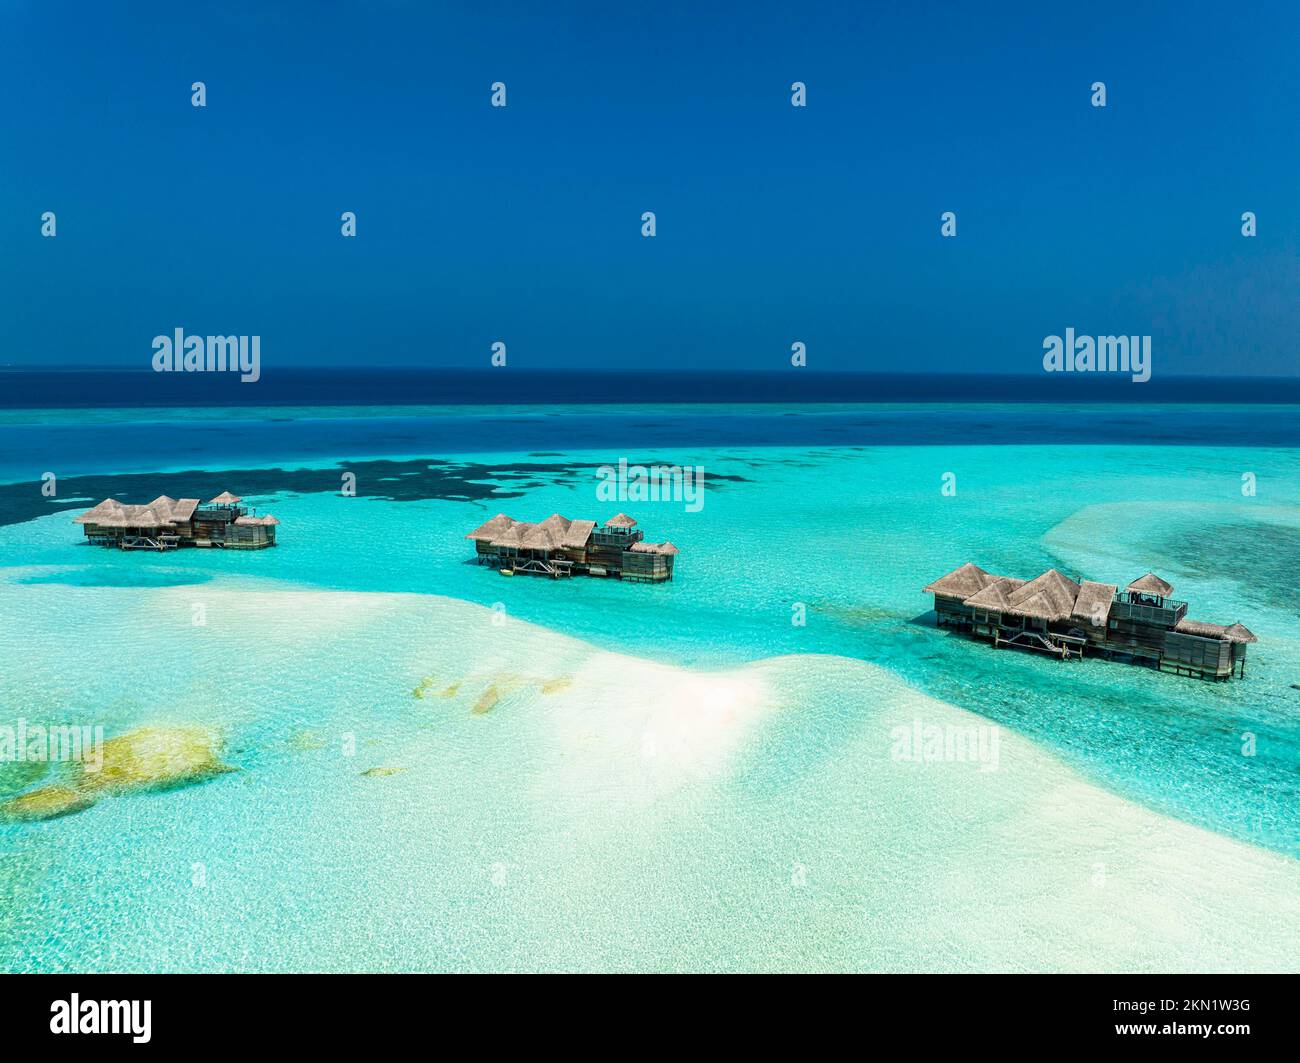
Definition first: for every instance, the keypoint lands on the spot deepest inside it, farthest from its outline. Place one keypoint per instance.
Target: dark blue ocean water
(413, 387)
(82, 441)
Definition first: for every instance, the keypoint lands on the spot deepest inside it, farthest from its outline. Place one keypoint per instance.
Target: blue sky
(775, 224)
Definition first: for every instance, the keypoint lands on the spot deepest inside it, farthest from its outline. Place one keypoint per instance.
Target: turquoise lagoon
(673, 777)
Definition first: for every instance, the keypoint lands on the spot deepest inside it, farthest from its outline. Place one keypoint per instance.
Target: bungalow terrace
(1054, 614)
(559, 547)
(168, 523)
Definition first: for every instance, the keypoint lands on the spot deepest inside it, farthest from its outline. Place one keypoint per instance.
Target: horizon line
(22, 367)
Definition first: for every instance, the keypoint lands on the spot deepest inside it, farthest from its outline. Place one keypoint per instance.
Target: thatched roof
(266, 521)
(556, 532)
(149, 517)
(1230, 633)
(548, 535)
(1151, 584)
(224, 499)
(1203, 628)
(653, 548)
(961, 582)
(1239, 633)
(996, 595)
(1094, 601)
(162, 512)
(184, 509)
(489, 530)
(113, 514)
(578, 534)
(620, 520)
(105, 518)
(106, 508)
(169, 511)
(1055, 597)
(1050, 596)
(513, 535)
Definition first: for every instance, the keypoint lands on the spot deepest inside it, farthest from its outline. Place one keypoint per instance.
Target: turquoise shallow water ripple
(845, 534)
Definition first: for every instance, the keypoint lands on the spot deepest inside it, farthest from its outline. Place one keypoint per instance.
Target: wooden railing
(1166, 615)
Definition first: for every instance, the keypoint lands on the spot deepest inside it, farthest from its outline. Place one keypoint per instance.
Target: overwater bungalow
(1141, 624)
(167, 523)
(559, 547)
